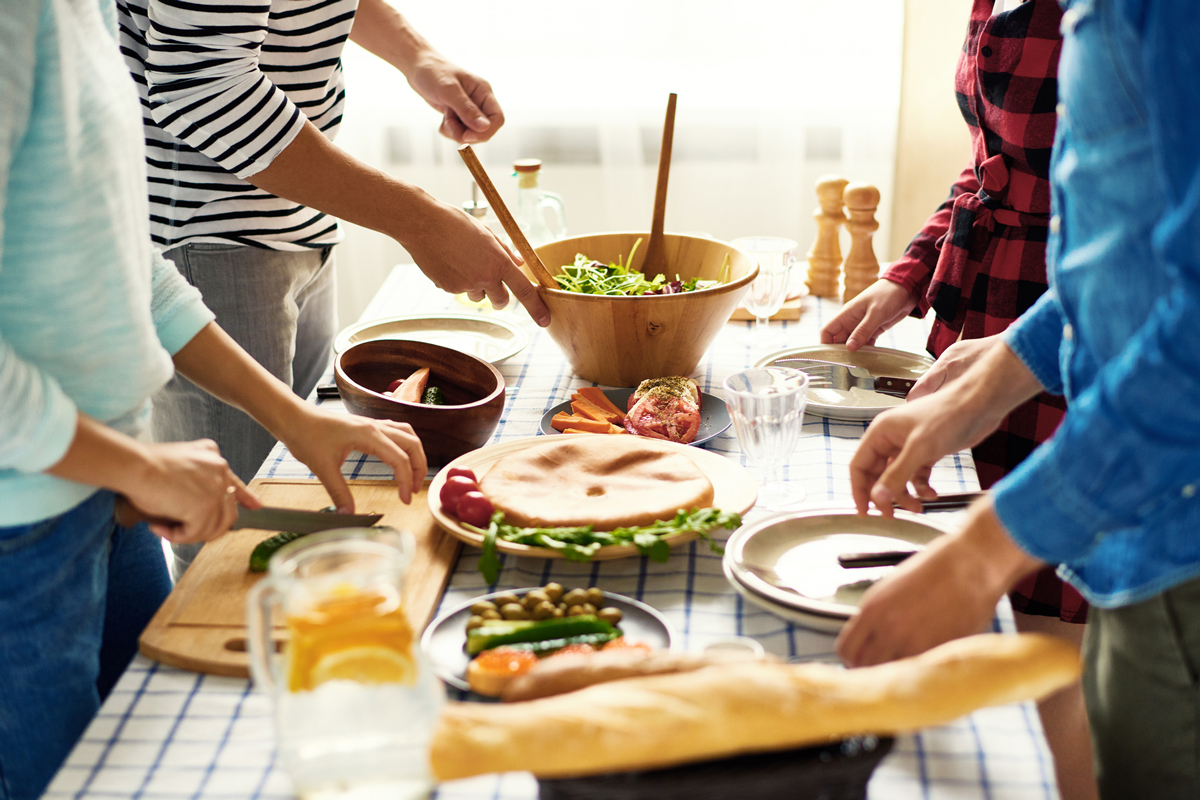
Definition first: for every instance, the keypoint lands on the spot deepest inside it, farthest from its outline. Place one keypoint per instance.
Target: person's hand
(460, 254)
(902, 445)
(323, 440)
(188, 491)
(948, 590)
(470, 111)
(951, 364)
(877, 308)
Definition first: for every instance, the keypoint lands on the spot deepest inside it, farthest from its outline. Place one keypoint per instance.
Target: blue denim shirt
(1113, 495)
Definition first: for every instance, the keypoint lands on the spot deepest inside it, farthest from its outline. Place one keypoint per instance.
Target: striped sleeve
(205, 87)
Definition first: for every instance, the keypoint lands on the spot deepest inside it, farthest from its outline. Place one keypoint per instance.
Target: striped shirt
(224, 89)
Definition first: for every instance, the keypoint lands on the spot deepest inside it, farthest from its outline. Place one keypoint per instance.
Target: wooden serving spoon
(540, 273)
(655, 261)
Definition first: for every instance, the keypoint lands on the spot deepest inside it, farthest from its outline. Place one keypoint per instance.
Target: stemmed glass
(767, 407)
(768, 292)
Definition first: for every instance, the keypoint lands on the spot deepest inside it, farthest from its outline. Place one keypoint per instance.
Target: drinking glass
(355, 699)
(768, 292)
(767, 407)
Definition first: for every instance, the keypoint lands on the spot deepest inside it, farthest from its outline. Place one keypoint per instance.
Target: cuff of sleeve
(914, 277)
(266, 159)
(49, 442)
(1035, 338)
(183, 324)
(1044, 514)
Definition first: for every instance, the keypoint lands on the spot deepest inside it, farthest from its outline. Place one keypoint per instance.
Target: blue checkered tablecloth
(166, 733)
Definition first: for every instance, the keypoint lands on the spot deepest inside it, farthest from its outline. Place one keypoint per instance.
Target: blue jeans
(75, 593)
(280, 306)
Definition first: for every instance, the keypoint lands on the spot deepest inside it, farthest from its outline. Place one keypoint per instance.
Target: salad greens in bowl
(617, 326)
(617, 279)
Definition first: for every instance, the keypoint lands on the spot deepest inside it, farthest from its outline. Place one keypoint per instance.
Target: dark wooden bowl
(473, 388)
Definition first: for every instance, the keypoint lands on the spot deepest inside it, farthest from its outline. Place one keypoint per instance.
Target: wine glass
(767, 407)
(768, 292)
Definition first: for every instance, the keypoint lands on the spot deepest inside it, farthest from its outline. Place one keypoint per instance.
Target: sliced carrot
(597, 398)
(586, 408)
(413, 388)
(616, 429)
(561, 421)
(578, 430)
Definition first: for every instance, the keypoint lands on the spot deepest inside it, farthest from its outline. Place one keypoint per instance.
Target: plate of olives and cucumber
(541, 618)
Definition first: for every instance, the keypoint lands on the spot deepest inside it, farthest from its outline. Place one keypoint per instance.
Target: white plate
(734, 489)
(802, 549)
(492, 340)
(444, 641)
(859, 405)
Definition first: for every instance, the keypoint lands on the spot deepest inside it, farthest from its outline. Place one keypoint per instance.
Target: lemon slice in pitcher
(370, 664)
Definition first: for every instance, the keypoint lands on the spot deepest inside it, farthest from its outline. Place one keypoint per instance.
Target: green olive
(482, 606)
(610, 615)
(595, 597)
(513, 611)
(588, 608)
(543, 610)
(559, 613)
(535, 597)
(575, 597)
(475, 622)
(554, 591)
(502, 600)
(575, 611)
(491, 613)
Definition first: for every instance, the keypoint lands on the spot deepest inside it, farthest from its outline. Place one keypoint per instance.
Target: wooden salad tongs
(655, 262)
(540, 273)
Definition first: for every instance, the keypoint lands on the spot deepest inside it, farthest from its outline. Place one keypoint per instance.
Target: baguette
(664, 720)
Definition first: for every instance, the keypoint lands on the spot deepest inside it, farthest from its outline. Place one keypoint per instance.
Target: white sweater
(90, 313)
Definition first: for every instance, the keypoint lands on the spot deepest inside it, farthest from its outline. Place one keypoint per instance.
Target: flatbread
(605, 481)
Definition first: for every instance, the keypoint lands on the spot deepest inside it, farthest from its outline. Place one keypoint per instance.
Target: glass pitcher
(355, 700)
(540, 214)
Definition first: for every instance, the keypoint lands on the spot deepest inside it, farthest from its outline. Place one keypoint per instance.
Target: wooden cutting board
(202, 624)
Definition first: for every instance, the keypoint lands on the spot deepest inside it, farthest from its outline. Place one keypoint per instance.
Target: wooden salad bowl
(474, 390)
(621, 341)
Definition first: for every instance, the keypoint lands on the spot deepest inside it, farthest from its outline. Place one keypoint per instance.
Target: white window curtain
(771, 95)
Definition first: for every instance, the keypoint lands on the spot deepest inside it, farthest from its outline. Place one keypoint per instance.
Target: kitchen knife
(845, 376)
(296, 521)
(266, 518)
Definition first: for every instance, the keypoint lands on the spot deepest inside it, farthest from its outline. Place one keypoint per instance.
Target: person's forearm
(1001, 561)
(382, 30)
(216, 363)
(100, 456)
(996, 384)
(314, 172)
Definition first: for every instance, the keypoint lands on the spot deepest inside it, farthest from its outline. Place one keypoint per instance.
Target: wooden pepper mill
(862, 268)
(825, 256)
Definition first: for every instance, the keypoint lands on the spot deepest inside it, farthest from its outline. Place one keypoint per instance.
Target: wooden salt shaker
(862, 268)
(825, 256)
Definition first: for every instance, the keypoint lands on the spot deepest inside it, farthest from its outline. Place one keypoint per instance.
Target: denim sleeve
(1129, 443)
(1036, 338)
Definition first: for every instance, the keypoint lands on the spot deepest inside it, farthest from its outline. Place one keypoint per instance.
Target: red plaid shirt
(980, 260)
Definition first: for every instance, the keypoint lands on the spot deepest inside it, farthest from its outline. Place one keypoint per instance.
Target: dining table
(165, 732)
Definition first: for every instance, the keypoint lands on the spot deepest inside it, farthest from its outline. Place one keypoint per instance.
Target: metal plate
(714, 415)
(444, 641)
(491, 339)
(859, 405)
(802, 549)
